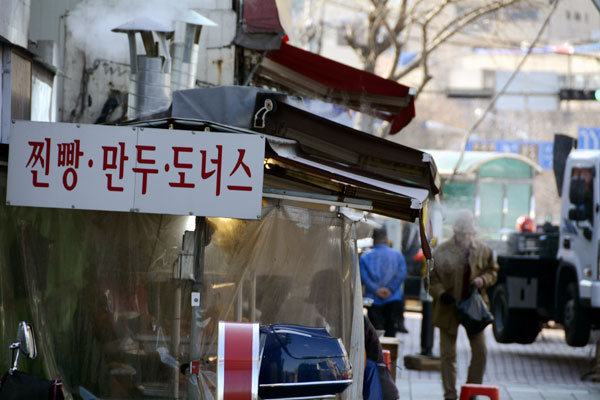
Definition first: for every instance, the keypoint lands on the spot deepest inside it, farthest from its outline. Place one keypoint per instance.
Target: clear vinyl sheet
(112, 312)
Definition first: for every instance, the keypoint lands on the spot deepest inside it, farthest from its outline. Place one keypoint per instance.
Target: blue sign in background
(588, 138)
(538, 151)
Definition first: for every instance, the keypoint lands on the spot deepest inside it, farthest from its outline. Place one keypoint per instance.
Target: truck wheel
(503, 322)
(510, 325)
(529, 326)
(575, 320)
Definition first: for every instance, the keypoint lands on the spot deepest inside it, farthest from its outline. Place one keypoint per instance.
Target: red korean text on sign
(240, 163)
(114, 158)
(178, 164)
(217, 162)
(145, 171)
(37, 154)
(68, 156)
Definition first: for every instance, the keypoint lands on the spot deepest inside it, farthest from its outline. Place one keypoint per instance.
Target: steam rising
(90, 23)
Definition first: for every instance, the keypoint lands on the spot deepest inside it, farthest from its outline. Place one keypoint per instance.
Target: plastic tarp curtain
(101, 291)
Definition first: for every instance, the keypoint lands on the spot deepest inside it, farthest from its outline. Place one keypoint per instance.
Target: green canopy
(504, 163)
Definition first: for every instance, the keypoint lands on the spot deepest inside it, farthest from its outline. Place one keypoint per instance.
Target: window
(562, 82)
(492, 200)
(501, 204)
(587, 175)
(460, 195)
(504, 194)
(521, 13)
(500, 194)
(518, 197)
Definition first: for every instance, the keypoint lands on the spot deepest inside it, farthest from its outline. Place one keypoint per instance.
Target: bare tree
(390, 24)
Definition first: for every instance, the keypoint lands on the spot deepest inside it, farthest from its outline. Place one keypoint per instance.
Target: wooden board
(393, 345)
(422, 363)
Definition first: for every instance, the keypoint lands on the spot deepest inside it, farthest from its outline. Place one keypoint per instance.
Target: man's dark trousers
(388, 317)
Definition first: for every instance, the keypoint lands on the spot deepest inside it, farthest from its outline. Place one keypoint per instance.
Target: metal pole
(253, 296)
(201, 239)
(176, 337)
(426, 323)
(341, 272)
(239, 303)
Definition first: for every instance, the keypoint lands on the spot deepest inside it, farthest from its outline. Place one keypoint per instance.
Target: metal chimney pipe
(185, 49)
(150, 78)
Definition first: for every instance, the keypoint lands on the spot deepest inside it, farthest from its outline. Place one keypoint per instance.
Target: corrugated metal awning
(329, 142)
(312, 75)
(394, 200)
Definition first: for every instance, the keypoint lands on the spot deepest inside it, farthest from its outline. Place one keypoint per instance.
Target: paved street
(546, 369)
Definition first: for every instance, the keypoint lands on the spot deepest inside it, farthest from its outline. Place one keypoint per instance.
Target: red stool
(472, 389)
(387, 356)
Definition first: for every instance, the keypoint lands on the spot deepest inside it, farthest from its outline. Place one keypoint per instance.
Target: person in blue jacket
(382, 271)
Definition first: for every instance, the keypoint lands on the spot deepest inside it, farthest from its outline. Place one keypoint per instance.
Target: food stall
(126, 287)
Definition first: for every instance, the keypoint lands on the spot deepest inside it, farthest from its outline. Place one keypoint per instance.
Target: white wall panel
(217, 54)
(14, 21)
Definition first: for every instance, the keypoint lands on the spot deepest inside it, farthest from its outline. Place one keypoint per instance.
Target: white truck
(555, 274)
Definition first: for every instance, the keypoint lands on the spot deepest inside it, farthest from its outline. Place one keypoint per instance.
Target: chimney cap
(195, 18)
(142, 24)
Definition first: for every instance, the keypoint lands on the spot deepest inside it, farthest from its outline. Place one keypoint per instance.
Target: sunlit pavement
(545, 369)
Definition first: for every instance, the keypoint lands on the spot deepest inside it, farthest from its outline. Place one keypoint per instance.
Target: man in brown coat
(460, 262)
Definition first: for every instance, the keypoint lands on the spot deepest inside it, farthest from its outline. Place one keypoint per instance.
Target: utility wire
(501, 91)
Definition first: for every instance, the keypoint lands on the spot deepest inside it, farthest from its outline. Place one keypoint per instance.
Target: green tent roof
(472, 160)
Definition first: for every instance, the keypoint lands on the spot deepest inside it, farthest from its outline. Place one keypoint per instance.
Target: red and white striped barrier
(237, 367)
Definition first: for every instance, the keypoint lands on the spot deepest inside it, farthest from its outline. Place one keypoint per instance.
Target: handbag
(473, 313)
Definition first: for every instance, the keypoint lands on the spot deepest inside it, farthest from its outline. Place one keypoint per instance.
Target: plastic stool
(387, 356)
(472, 389)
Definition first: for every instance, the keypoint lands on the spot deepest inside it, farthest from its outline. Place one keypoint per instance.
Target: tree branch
(475, 13)
(380, 11)
(451, 29)
(425, 57)
(435, 11)
(394, 33)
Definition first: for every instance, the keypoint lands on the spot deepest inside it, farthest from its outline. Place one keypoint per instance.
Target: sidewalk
(546, 369)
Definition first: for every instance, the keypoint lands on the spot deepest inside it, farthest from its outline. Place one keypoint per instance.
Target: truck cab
(577, 280)
(555, 274)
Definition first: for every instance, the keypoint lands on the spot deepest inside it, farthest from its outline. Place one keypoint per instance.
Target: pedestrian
(378, 383)
(460, 262)
(382, 270)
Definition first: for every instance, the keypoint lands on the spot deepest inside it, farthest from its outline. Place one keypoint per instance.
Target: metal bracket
(14, 347)
(415, 204)
(318, 199)
(259, 117)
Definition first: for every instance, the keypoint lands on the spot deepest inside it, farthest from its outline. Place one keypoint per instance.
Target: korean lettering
(141, 160)
(112, 155)
(37, 155)
(68, 156)
(240, 163)
(216, 161)
(529, 150)
(177, 164)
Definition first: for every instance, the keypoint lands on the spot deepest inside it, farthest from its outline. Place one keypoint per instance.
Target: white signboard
(97, 167)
